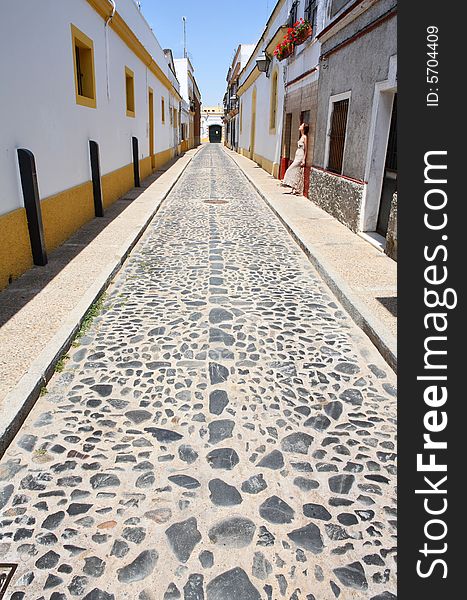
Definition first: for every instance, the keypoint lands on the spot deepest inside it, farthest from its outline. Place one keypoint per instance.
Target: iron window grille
(311, 13)
(293, 14)
(337, 136)
(79, 73)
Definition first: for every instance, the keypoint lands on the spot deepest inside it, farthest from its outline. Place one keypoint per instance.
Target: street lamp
(262, 62)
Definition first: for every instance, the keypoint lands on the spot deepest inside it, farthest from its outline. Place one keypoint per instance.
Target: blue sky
(214, 30)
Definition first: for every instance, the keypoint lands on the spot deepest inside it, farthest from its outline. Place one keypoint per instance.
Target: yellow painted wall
(145, 168)
(66, 212)
(264, 163)
(117, 183)
(15, 249)
(62, 215)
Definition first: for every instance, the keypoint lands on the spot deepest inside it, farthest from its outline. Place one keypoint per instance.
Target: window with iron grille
(337, 5)
(293, 14)
(311, 13)
(337, 135)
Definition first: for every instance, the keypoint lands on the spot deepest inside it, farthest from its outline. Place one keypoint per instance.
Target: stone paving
(222, 432)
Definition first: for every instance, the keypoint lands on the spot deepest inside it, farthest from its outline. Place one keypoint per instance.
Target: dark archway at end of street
(215, 134)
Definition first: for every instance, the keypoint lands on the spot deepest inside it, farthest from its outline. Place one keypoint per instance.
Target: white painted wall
(306, 56)
(267, 144)
(208, 120)
(39, 109)
(246, 51)
(181, 68)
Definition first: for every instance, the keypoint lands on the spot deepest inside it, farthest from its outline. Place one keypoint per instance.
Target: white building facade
(212, 123)
(190, 116)
(78, 71)
(231, 100)
(261, 97)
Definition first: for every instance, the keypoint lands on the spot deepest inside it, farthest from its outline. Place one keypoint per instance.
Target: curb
(21, 399)
(383, 340)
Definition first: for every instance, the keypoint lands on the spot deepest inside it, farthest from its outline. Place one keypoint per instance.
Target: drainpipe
(106, 29)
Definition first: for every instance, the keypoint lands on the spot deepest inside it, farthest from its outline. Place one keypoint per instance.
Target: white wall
(39, 109)
(306, 56)
(267, 144)
(181, 68)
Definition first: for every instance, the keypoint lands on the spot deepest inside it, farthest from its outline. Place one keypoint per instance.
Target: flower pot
(304, 35)
(286, 53)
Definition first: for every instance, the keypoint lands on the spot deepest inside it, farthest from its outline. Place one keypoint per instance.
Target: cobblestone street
(222, 431)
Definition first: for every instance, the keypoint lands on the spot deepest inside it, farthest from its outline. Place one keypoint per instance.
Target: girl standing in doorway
(294, 176)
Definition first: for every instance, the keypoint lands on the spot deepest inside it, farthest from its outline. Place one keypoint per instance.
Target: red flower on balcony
(296, 35)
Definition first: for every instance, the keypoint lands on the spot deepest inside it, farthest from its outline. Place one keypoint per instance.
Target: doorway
(390, 175)
(215, 134)
(286, 159)
(151, 128)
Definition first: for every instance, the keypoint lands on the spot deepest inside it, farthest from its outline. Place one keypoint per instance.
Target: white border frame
(332, 101)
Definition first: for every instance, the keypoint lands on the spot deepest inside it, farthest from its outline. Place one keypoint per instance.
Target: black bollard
(134, 141)
(96, 178)
(32, 204)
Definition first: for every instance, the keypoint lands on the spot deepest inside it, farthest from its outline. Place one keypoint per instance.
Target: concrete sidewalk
(360, 275)
(42, 311)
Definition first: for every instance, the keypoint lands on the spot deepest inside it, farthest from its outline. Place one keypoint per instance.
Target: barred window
(337, 135)
(311, 13)
(293, 14)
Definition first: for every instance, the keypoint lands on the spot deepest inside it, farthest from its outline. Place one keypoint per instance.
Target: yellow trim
(80, 39)
(151, 123)
(163, 157)
(15, 249)
(249, 81)
(130, 92)
(274, 101)
(274, 41)
(274, 13)
(253, 123)
(104, 9)
(117, 183)
(145, 167)
(264, 163)
(63, 214)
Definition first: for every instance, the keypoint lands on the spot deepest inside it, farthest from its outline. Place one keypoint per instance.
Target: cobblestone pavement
(222, 432)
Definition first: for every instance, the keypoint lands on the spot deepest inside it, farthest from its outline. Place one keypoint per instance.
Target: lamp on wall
(262, 62)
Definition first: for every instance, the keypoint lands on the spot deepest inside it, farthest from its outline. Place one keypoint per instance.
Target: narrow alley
(223, 430)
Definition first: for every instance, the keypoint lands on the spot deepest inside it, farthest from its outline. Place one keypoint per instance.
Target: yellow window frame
(274, 102)
(130, 92)
(81, 40)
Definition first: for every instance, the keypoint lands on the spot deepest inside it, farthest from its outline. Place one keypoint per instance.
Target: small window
(337, 135)
(311, 13)
(337, 5)
(273, 108)
(293, 14)
(130, 92)
(83, 60)
(163, 109)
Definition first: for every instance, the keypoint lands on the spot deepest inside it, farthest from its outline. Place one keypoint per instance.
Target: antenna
(184, 37)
